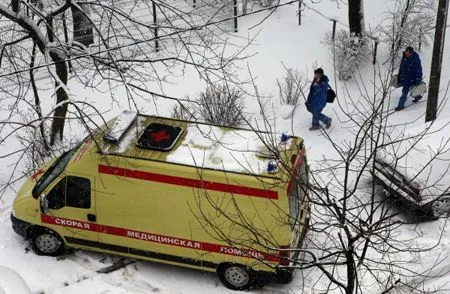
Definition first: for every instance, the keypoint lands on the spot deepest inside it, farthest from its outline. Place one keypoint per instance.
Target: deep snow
(279, 41)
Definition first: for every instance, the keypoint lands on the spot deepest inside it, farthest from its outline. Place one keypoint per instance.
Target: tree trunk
(15, 5)
(66, 38)
(396, 47)
(37, 101)
(61, 96)
(436, 62)
(59, 117)
(351, 270)
(356, 17)
(83, 30)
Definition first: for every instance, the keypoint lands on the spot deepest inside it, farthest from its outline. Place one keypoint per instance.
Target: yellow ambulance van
(177, 192)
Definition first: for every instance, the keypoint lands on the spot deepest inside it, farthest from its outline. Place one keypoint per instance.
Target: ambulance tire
(236, 276)
(44, 241)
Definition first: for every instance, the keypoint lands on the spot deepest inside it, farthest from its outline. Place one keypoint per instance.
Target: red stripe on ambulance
(186, 182)
(155, 238)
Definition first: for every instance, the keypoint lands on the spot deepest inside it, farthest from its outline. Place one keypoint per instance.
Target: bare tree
(409, 23)
(124, 50)
(45, 45)
(356, 238)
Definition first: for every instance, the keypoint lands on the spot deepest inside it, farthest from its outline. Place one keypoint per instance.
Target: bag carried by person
(331, 95)
(419, 90)
(396, 81)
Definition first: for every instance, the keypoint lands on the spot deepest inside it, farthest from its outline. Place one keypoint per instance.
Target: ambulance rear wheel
(46, 242)
(236, 276)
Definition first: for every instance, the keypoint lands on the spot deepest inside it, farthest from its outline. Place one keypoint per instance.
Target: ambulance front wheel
(236, 276)
(46, 242)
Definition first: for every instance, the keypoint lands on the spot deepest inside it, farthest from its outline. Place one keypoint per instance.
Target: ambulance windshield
(53, 172)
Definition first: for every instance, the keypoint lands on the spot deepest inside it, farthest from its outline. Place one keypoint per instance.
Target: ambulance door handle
(91, 217)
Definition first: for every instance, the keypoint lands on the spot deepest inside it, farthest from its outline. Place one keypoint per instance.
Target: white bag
(394, 82)
(419, 90)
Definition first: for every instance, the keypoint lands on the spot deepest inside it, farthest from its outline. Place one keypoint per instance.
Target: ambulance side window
(78, 193)
(72, 192)
(56, 197)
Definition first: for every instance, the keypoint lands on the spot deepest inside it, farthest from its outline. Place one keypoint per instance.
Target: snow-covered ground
(279, 40)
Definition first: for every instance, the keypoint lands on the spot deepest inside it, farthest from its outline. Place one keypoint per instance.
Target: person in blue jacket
(410, 75)
(317, 100)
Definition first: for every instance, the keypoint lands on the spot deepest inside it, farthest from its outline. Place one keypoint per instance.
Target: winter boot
(328, 124)
(417, 98)
(398, 108)
(314, 128)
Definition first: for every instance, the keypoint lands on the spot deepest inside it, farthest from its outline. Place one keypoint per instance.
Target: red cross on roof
(159, 136)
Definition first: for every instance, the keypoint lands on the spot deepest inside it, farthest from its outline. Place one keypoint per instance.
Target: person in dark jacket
(317, 100)
(410, 75)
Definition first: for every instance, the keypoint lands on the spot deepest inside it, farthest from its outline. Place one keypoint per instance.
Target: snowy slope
(278, 40)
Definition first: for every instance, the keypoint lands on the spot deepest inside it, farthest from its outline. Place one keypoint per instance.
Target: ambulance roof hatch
(160, 137)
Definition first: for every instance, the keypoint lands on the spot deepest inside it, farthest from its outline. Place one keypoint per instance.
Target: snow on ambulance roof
(219, 148)
(194, 144)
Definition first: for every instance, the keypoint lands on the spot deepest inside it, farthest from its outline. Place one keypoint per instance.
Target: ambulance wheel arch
(236, 276)
(44, 241)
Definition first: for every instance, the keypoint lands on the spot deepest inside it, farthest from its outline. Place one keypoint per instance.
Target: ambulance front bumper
(284, 275)
(281, 276)
(19, 226)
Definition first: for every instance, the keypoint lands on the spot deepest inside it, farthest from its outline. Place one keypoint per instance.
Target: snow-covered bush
(349, 51)
(268, 3)
(290, 88)
(221, 105)
(408, 23)
(248, 6)
(183, 111)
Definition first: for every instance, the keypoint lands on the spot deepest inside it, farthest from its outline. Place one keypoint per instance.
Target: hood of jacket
(324, 78)
(414, 56)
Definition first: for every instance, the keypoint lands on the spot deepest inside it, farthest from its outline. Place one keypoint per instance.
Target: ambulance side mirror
(44, 204)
